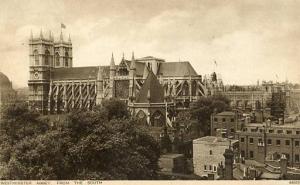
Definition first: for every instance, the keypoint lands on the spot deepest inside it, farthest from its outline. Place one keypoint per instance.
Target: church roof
(139, 67)
(79, 73)
(176, 69)
(151, 91)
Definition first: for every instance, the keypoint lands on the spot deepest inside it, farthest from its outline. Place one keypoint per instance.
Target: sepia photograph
(109, 90)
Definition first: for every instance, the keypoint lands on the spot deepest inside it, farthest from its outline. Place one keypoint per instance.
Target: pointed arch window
(47, 57)
(66, 59)
(56, 59)
(36, 57)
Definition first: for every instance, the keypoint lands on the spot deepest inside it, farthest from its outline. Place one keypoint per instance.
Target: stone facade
(56, 86)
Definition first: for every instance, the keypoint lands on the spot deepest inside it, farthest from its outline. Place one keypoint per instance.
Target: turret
(41, 34)
(61, 37)
(31, 36)
(112, 74)
(131, 80)
(69, 40)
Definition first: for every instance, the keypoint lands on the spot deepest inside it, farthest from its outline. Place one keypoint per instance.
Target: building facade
(208, 154)
(55, 86)
(266, 142)
(227, 121)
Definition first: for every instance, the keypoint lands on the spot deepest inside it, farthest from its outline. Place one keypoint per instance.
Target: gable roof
(151, 91)
(79, 73)
(176, 69)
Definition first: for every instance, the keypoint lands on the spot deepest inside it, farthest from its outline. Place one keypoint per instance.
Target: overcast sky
(249, 40)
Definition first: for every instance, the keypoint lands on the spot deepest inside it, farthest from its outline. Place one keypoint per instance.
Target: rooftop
(214, 140)
(274, 125)
(226, 113)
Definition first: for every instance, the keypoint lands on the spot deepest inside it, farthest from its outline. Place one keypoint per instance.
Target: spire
(123, 58)
(41, 34)
(31, 35)
(132, 65)
(99, 76)
(50, 35)
(61, 36)
(69, 39)
(112, 61)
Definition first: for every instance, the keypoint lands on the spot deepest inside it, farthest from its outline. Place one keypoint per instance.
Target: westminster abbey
(144, 83)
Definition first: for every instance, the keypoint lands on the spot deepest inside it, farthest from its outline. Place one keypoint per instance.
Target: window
(232, 119)
(205, 168)
(66, 59)
(251, 154)
(47, 57)
(242, 153)
(297, 143)
(260, 130)
(56, 59)
(288, 132)
(279, 131)
(242, 139)
(287, 156)
(287, 142)
(215, 119)
(271, 131)
(223, 119)
(269, 141)
(232, 130)
(260, 140)
(277, 142)
(245, 129)
(253, 130)
(296, 158)
(297, 132)
(215, 168)
(251, 140)
(210, 152)
(36, 57)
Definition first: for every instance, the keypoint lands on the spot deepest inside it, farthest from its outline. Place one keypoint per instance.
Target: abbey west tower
(45, 54)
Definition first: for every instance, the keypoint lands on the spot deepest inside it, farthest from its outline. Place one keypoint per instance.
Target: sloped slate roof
(176, 69)
(78, 73)
(153, 86)
(139, 67)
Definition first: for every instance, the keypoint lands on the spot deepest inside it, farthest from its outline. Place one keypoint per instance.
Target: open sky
(249, 39)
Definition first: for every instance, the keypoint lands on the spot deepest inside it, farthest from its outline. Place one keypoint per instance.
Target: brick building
(208, 154)
(228, 122)
(266, 142)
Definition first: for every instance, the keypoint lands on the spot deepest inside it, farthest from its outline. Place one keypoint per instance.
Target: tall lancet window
(56, 59)
(47, 57)
(36, 57)
(66, 59)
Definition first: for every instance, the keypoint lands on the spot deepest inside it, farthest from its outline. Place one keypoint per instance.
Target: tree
(86, 145)
(202, 109)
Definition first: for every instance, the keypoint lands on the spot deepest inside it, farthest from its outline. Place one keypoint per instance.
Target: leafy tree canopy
(86, 145)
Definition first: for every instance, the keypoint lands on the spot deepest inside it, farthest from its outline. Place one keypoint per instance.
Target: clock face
(36, 75)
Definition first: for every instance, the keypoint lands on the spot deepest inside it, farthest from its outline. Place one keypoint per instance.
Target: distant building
(266, 142)
(7, 93)
(228, 122)
(208, 154)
